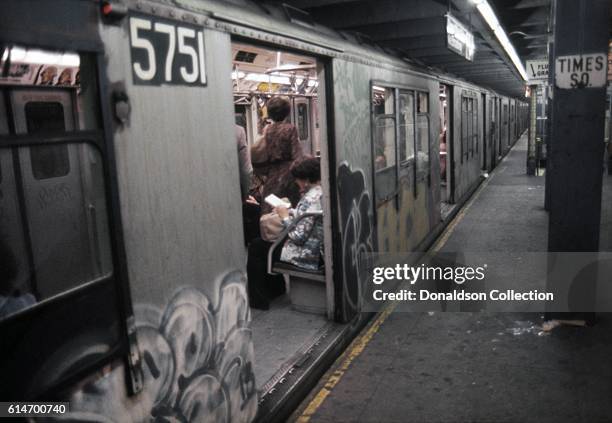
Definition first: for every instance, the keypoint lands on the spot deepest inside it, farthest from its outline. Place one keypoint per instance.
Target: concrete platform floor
(475, 367)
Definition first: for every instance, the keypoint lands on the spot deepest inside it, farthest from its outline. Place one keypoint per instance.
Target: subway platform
(476, 367)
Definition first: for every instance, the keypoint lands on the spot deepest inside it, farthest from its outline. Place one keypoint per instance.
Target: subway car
(124, 288)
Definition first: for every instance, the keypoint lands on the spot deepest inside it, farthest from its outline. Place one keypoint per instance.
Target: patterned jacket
(304, 245)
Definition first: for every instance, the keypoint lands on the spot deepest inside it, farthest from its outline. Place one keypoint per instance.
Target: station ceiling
(416, 29)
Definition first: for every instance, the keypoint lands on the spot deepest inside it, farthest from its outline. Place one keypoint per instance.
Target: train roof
(270, 23)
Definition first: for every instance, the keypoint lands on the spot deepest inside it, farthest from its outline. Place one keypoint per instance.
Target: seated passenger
(304, 245)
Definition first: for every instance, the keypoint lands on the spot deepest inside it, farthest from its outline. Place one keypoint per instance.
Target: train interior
(296, 318)
(58, 180)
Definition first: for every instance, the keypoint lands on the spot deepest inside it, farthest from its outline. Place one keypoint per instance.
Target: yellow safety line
(360, 343)
(355, 349)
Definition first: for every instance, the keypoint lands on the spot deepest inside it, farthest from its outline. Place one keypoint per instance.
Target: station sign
(537, 71)
(459, 39)
(581, 71)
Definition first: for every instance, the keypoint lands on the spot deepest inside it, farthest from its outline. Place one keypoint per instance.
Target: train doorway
(446, 151)
(297, 318)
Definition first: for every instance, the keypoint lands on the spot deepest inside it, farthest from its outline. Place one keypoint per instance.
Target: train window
(384, 143)
(423, 104)
(423, 144)
(406, 126)
(469, 126)
(48, 161)
(302, 121)
(464, 127)
(474, 147)
(384, 137)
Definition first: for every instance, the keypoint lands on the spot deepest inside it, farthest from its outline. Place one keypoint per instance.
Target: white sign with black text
(537, 71)
(581, 71)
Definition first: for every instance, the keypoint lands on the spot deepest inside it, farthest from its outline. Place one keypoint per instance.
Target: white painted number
(183, 41)
(137, 42)
(201, 54)
(190, 51)
(168, 29)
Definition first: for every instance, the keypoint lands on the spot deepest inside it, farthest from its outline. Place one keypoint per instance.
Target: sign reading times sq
(581, 71)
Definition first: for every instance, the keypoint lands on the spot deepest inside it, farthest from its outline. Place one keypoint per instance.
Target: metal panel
(177, 174)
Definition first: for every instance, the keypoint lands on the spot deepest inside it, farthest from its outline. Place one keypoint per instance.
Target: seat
(307, 289)
(289, 269)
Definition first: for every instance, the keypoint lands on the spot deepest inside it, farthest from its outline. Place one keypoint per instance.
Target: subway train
(124, 289)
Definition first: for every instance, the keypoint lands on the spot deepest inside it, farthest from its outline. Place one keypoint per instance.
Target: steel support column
(575, 159)
(576, 156)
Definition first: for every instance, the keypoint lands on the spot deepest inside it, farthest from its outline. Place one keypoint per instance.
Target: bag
(270, 226)
(259, 151)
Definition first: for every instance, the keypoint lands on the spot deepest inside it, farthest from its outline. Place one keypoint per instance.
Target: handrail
(283, 234)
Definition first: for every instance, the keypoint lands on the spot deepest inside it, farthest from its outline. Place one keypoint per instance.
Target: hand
(282, 211)
(252, 200)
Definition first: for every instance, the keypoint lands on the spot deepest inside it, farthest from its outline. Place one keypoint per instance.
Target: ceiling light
(489, 16)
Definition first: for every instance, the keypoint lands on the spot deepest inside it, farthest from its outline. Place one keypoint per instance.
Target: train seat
(307, 289)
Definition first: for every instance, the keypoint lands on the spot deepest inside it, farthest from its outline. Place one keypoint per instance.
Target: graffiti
(57, 193)
(197, 363)
(356, 220)
(352, 85)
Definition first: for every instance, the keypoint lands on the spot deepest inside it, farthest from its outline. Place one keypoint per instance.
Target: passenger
(250, 207)
(281, 149)
(244, 162)
(11, 300)
(304, 244)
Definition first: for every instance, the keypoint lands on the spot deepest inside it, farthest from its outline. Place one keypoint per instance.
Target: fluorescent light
(43, 57)
(489, 16)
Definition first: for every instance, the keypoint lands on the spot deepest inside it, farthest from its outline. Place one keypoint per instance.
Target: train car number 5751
(165, 53)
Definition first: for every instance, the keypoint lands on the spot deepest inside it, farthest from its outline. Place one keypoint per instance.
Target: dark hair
(278, 108)
(308, 168)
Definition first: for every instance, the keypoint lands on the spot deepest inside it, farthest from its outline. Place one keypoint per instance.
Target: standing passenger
(282, 148)
(244, 162)
(250, 207)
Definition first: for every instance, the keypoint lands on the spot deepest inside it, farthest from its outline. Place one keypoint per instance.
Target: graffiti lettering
(355, 212)
(55, 194)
